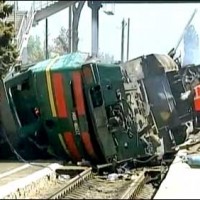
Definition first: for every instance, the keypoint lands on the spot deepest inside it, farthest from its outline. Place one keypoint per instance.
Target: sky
(154, 28)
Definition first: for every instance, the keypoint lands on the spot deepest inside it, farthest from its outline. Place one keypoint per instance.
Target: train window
(96, 96)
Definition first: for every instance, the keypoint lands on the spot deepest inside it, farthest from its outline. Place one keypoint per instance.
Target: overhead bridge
(40, 10)
(51, 7)
(25, 20)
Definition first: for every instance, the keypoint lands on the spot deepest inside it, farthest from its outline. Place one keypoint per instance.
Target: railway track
(73, 182)
(31, 184)
(88, 185)
(65, 178)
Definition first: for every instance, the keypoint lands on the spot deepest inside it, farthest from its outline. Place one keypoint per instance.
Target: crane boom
(173, 51)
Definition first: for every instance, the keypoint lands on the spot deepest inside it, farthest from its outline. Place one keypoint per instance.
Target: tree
(61, 43)
(77, 8)
(8, 47)
(191, 46)
(34, 50)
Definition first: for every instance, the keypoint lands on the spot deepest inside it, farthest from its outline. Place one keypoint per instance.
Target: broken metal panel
(183, 107)
(162, 101)
(134, 66)
(152, 70)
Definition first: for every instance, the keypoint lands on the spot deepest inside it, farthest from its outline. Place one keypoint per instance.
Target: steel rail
(135, 187)
(74, 182)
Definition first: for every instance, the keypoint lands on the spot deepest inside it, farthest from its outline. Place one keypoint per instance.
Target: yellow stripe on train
(49, 86)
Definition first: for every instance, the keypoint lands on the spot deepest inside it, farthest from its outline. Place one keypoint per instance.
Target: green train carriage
(79, 108)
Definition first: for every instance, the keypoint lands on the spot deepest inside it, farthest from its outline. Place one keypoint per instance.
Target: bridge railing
(27, 22)
(39, 5)
(22, 28)
(26, 25)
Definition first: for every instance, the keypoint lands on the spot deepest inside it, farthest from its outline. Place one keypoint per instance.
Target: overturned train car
(75, 109)
(190, 77)
(160, 80)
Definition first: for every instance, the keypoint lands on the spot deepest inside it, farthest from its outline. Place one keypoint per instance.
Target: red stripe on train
(78, 93)
(62, 111)
(87, 144)
(59, 95)
(69, 139)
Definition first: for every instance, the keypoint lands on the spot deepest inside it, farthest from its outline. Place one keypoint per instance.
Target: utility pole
(46, 39)
(128, 35)
(15, 16)
(122, 41)
(95, 6)
(17, 7)
(70, 29)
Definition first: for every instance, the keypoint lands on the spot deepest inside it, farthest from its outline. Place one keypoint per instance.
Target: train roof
(69, 61)
(166, 61)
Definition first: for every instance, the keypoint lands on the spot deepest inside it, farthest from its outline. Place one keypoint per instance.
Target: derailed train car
(158, 76)
(81, 109)
(190, 78)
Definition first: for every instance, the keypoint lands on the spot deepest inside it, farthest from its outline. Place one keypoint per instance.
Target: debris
(123, 169)
(113, 177)
(188, 144)
(64, 177)
(84, 163)
(194, 149)
(193, 160)
(185, 95)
